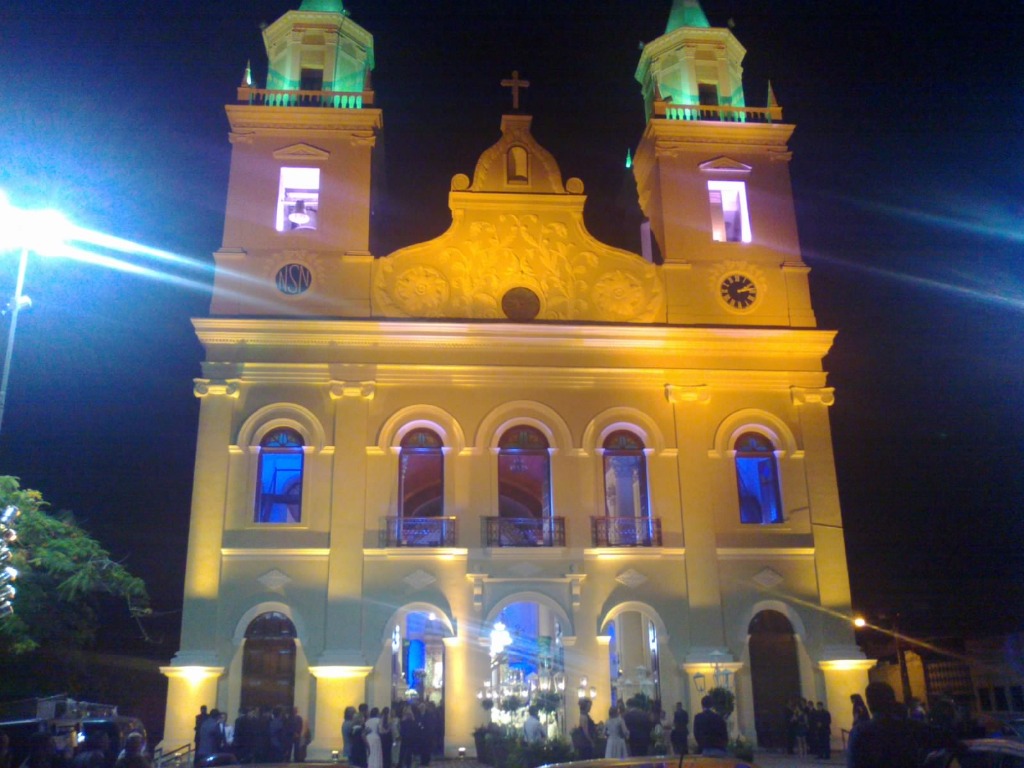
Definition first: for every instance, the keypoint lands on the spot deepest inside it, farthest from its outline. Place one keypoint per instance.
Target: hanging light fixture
(298, 214)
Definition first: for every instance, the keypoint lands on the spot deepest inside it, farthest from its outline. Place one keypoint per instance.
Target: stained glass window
(757, 480)
(421, 474)
(625, 475)
(279, 487)
(524, 474)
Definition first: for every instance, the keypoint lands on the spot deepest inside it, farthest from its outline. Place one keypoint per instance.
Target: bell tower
(301, 188)
(713, 179)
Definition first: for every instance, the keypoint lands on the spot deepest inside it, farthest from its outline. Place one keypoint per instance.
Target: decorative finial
(247, 77)
(515, 84)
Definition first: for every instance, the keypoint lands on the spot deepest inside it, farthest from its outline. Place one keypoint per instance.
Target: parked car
(689, 761)
(980, 753)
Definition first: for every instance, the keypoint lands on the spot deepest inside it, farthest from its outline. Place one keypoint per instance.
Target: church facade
(511, 461)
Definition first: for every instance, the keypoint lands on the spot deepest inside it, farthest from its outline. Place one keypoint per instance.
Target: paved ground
(761, 759)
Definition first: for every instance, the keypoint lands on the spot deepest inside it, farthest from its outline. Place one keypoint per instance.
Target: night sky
(907, 173)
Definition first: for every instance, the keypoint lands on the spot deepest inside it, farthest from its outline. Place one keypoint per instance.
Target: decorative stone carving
(274, 580)
(631, 578)
(226, 387)
(419, 579)
(768, 578)
(467, 271)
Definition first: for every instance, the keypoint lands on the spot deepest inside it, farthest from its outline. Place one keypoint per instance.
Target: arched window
(757, 480)
(524, 474)
(279, 485)
(421, 475)
(625, 476)
(268, 662)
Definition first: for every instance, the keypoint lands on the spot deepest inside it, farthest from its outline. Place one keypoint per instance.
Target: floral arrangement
(511, 704)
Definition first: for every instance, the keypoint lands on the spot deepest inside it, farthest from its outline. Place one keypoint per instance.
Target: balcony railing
(719, 113)
(525, 532)
(625, 531)
(331, 99)
(419, 532)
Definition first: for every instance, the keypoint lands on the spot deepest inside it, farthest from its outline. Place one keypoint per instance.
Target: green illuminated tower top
(686, 13)
(318, 48)
(692, 63)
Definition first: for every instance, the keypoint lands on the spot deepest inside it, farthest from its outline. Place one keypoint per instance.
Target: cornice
(360, 123)
(557, 339)
(730, 136)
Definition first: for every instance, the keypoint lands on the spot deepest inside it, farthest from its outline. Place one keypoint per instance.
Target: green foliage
(62, 571)
(723, 701)
(511, 704)
(548, 701)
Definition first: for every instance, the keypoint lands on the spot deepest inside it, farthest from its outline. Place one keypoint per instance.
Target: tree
(63, 575)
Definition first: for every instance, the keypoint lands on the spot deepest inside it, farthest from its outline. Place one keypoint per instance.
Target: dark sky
(908, 180)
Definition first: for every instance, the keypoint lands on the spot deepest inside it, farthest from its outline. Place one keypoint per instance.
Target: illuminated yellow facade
(626, 456)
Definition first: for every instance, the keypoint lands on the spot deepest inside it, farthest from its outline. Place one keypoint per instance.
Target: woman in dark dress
(358, 755)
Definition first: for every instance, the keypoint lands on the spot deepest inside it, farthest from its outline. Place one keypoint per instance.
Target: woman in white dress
(374, 753)
(617, 733)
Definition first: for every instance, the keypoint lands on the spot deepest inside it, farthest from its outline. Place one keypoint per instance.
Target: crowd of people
(386, 738)
(259, 735)
(96, 751)
(632, 731)
(808, 729)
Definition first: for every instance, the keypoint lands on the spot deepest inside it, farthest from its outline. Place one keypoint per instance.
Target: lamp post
(16, 303)
(40, 231)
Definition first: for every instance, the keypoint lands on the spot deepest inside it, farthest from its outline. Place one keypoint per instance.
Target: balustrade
(419, 532)
(525, 532)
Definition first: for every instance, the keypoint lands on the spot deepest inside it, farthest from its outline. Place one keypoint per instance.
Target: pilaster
(209, 494)
(337, 686)
(690, 404)
(348, 517)
(188, 688)
(826, 519)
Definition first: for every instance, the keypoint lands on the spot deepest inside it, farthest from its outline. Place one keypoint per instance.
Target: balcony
(419, 532)
(331, 99)
(666, 110)
(625, 531)
(524, 532)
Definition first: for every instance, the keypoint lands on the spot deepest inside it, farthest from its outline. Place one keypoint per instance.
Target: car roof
(1008, 746)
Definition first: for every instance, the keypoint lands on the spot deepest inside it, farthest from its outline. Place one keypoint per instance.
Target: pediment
(725, 165)
(301, 152)
(518, 263)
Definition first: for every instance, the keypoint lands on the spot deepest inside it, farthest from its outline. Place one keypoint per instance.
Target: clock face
(739, 291)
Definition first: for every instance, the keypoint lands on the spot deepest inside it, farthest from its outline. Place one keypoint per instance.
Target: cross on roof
(515, 84)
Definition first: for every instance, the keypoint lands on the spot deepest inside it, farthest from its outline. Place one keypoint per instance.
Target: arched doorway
(417, 658)
(633, 658)
(268, 662)
(527, 665)
(775, 675)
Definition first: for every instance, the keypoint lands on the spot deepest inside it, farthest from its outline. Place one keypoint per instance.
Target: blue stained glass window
(279, 491)
(757, 480)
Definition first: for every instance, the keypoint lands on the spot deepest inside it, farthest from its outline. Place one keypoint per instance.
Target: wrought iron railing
(716, 112)
(625, 531)
(524, 532)
(286, 98)
(419, 532)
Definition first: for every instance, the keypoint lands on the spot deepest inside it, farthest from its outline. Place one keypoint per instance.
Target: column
(696, 493)
(195, 668)
(337, 686)
(843, 677)
(343, 643)
(465, 668)
(188, 688)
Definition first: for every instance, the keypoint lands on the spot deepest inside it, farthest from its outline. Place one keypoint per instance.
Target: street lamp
(40, 231)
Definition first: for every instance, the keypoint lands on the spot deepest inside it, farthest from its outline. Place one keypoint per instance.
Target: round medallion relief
(520, 304)
(293, 279)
